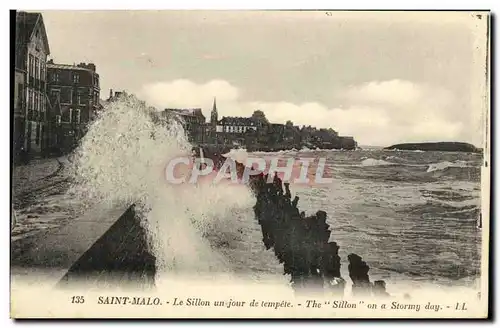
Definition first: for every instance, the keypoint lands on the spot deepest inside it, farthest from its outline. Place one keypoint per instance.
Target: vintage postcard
(250, 164)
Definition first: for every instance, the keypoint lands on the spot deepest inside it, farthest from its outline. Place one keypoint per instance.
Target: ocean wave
(375, 162)
(122, 160)
(441, 166)
(405, 150)
(239, 155)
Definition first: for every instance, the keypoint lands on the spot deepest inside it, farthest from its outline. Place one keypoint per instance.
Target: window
(37, 138)
(55, 77)
(37, 41)
(81, 99)
(20, 93)
(42, 72)
(55, 95)
(37, 68)
(77, 116)
(30, 67)
(58, 119)
(76, 77)
(28, 98)
(35, 107)
(66, 96)
(42, 103)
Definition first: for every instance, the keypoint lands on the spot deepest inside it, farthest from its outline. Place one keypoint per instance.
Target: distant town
(55, 103)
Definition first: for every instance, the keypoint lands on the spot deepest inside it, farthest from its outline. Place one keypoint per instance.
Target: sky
(381, 77)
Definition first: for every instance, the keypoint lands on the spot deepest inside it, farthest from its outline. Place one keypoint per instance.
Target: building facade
(193, 121)
(30, 98)
(236, 125)
(19, 110)
(74, 96)
(235, 130)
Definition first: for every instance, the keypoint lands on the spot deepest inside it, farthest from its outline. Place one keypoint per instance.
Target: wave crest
(122, 161)
(441, 166)
(375, 162)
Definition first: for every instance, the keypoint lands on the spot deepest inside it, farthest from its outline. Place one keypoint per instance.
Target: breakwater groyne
(301, 243)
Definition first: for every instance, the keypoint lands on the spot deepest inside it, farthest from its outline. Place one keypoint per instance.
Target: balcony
(36, 116)
(32, 115)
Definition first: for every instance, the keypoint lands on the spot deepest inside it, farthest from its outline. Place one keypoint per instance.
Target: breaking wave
(375, 162)
(444, 165)
(122, 160)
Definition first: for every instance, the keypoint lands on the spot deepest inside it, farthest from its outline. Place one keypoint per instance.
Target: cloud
(185, 93)
(393, 92)
(375, 113)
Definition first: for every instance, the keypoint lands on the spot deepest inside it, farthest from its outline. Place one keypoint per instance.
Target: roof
(26, 24)
(244, 121)
(186, 111)
(66, 66)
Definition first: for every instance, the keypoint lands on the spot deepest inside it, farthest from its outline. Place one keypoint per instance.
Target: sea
(412, 216)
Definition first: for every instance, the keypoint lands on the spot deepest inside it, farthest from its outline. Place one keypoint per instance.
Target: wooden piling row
(302, 243)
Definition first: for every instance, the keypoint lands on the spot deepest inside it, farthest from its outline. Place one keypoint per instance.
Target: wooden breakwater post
(302, 243)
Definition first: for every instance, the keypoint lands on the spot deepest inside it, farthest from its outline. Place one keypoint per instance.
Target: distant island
(437, 146)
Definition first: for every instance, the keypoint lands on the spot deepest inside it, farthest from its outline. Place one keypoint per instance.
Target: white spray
(122, 160)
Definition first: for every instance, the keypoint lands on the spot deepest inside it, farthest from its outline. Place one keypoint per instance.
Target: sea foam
(122, 160)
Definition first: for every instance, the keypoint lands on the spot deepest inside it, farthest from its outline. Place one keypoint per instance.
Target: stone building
(30, 97)
(236, 125)
(236, 130)
(193, 122)
(74, 95)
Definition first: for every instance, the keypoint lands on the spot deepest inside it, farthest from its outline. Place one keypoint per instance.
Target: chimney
(110, 93)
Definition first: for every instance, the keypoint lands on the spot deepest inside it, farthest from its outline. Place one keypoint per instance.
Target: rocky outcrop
(437, 146)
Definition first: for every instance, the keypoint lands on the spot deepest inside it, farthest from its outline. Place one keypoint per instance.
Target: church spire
(214, 117)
